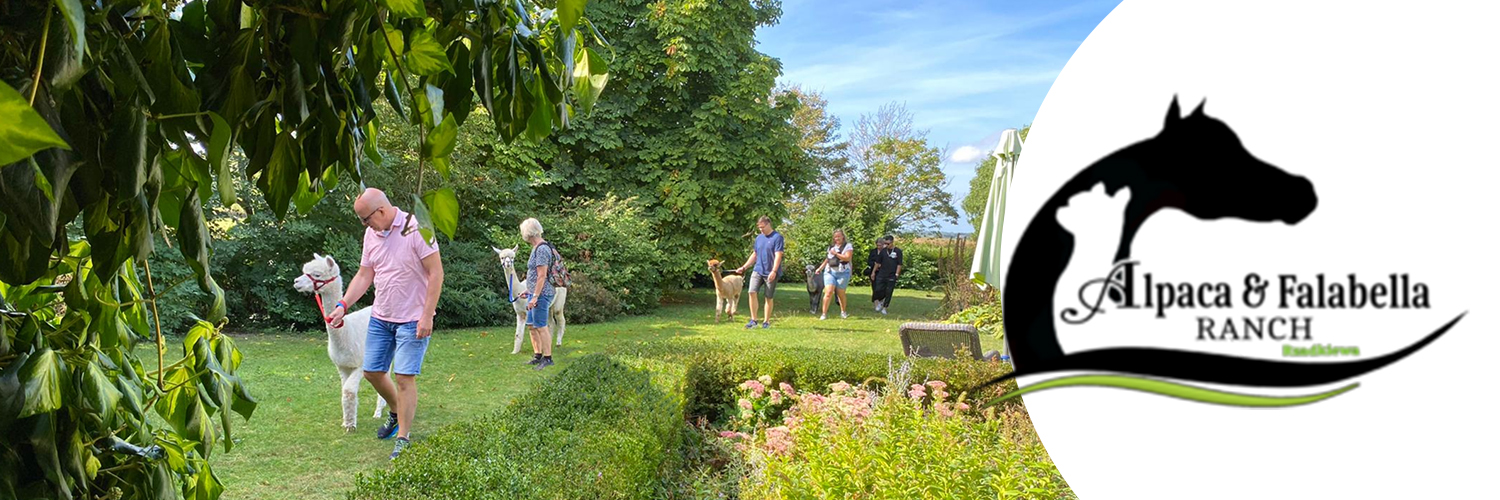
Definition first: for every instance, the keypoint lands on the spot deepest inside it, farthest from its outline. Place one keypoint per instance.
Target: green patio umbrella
(986, 268)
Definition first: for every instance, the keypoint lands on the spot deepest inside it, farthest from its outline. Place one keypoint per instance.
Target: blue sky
(966, 70)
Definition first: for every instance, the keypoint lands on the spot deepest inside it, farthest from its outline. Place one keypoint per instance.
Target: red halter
(317, 287)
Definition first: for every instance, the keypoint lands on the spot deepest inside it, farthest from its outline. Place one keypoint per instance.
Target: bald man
(408, 277)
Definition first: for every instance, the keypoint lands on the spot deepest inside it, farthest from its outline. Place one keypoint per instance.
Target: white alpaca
(346, 343)
(726, 290)
(1096, 219)
(518, 286)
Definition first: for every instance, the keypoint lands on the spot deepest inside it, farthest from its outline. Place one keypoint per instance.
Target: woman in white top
(836, 271)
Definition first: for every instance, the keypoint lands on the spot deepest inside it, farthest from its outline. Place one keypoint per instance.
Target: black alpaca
(1196, 164)
(814, 289)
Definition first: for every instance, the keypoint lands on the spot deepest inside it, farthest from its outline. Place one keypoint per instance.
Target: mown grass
(295, 447)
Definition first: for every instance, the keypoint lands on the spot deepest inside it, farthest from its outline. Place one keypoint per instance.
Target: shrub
(856, 208)
(986, 316)
(601, 428)
(607, 239)
(590, 303)
(908, 440)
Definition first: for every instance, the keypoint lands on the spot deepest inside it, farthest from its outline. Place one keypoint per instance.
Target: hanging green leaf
(440, 143)
(218, 157)
(423, 219)
(568, 13)
(405, 9)
(127, 143)
(442, 207)
(279, 181)
(427, 57)
(392, 95)
(100, 393)
(72, 10)
(23, 132)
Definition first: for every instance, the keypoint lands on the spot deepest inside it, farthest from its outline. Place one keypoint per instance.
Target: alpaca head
(507, 256)
(715, 265)
(321, 268)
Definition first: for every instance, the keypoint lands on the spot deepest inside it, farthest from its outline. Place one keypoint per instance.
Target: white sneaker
(882, 311)
(844, 314)
(823, 317)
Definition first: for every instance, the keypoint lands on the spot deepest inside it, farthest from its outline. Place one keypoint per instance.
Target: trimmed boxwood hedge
(603, 427)
(716, 368)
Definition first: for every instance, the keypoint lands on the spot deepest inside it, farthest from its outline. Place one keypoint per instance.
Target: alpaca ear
(1199, 111)
(1174, 113)
(330, 261)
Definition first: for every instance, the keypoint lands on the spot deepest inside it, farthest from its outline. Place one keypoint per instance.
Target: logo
(1196, 165)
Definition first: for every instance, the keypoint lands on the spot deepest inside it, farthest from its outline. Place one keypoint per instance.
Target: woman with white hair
(537, 274)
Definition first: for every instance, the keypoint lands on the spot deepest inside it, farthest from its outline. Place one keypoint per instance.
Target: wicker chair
(943, 340)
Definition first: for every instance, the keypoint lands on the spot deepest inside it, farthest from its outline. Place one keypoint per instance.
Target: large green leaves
(23, 132)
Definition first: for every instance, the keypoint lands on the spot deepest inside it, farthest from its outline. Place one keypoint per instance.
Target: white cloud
(966, 154)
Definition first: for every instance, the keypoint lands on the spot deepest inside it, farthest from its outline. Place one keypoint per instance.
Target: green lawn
(295, 447)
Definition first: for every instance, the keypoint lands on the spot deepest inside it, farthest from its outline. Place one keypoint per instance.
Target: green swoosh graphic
(1181, 391)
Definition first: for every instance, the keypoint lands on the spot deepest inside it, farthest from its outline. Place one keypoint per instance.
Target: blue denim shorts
(537, 316)
(394, 343)
(838, 279)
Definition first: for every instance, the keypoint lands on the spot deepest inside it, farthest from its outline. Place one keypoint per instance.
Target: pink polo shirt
(400, 279)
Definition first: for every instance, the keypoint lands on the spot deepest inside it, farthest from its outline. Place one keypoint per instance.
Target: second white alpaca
(518, 286)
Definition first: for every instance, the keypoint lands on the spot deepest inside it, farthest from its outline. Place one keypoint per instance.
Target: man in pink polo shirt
(408, 276)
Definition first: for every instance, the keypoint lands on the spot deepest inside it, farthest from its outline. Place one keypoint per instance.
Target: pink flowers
(746, 404)
(775, 397)
(787, 389)
(917, 392)
(839, 386)
(779, 440)
(755, 387)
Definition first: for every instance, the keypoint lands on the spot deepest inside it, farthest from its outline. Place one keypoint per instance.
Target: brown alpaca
(726, 290)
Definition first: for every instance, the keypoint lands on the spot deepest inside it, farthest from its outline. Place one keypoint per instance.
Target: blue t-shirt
(765, 252)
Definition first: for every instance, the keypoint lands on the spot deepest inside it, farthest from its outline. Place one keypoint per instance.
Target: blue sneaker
(401, 444)
(765, 324)
(389, 428)
(751, 324)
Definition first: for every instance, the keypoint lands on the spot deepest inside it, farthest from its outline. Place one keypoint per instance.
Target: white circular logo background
(1392, 111)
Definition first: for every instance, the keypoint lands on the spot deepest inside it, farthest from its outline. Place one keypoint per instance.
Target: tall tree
(117, 119)
(891, 121)
(820, 135)
(690, 127)
(908, 173)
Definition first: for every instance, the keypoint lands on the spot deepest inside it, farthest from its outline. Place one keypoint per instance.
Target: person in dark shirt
(885, 270)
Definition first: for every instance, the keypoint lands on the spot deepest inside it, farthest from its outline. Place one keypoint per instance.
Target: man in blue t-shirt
(766, 257)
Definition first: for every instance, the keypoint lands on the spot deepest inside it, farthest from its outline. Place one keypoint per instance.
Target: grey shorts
(758, 281)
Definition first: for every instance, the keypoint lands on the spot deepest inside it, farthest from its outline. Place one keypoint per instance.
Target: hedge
(716, 368)
(603, 427)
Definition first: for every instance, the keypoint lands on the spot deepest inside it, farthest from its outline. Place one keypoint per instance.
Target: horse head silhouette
(1197, 165)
